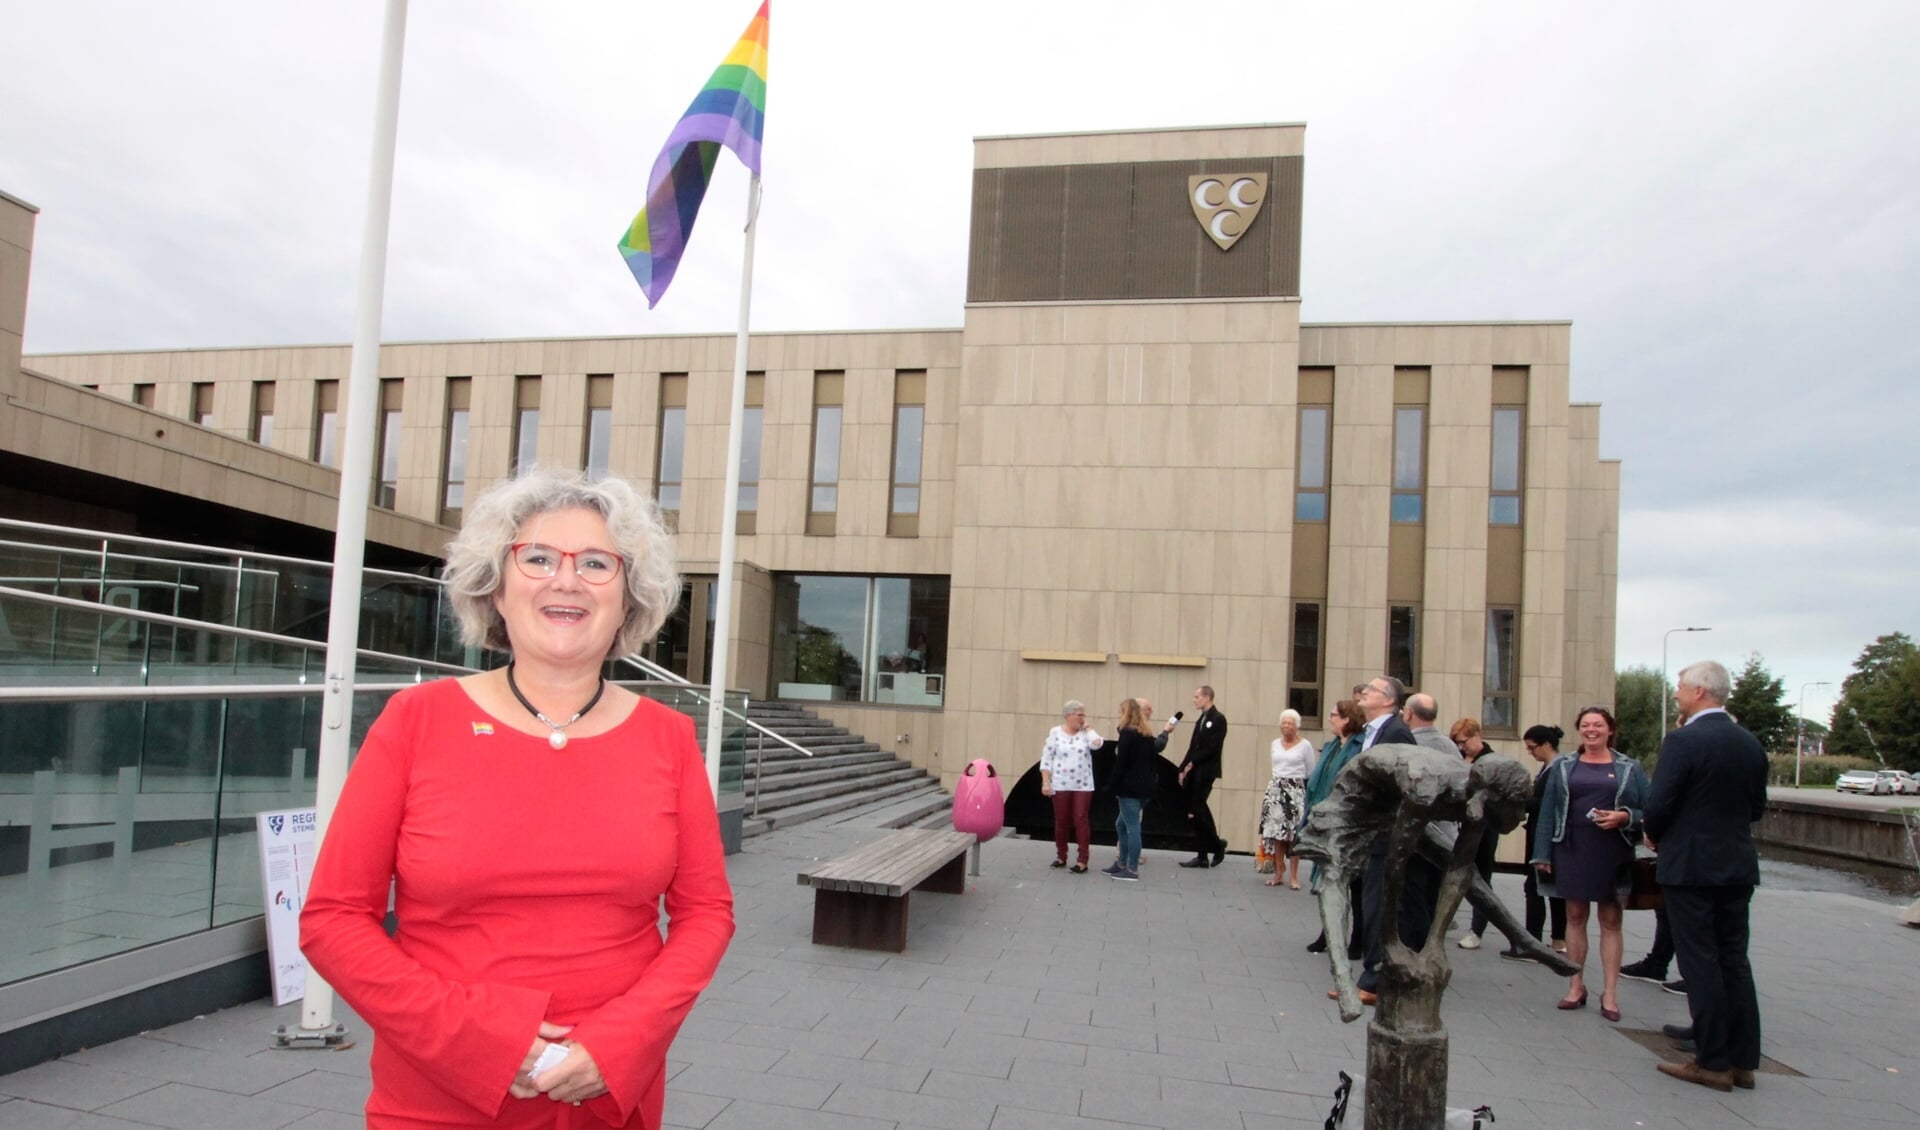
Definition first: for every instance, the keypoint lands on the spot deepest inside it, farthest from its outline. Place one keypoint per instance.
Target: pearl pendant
(557, 739)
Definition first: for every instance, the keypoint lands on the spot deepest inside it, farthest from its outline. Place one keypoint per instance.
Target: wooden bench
(860, 899)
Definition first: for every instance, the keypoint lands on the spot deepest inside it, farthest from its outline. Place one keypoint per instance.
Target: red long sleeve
(529, 887)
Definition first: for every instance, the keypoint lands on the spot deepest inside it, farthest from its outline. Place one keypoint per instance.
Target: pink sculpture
(978, 805)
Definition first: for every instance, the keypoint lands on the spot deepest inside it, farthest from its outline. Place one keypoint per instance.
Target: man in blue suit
(1708, 789)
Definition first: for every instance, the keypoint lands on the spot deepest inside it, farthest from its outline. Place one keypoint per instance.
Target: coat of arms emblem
(1225, 204)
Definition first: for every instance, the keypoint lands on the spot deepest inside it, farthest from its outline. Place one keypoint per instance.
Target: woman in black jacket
(1543, 745)
(1136, 776)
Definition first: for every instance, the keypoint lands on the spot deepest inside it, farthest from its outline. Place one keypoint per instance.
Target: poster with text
(286, 865)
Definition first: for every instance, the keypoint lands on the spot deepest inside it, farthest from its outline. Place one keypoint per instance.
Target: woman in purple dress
(1583, 847)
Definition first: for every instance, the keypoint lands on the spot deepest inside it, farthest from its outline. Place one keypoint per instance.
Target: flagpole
(730, 509)
(317, 1027)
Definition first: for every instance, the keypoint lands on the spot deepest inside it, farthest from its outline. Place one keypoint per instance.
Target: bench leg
(868, 922)
(949, 880)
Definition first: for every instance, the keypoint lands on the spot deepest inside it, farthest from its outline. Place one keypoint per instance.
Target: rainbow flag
(729, 111)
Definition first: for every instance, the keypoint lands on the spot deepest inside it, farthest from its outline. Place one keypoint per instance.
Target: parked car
(1901, 781)
(1861, 781)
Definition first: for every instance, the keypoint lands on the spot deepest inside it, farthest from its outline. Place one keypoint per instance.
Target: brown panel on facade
(1098, 233)
(1316, 386)
(1510, 384)
(1505, 582)
(1081, 232)
(1410, 385)
(1406, 563)
(1309, 561)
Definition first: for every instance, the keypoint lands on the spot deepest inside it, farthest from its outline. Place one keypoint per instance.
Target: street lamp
(1800, 732)
(1663, 674)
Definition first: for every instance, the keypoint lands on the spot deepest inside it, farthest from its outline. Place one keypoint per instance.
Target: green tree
(1878, 715)
(1637, 694)
(1755, 701)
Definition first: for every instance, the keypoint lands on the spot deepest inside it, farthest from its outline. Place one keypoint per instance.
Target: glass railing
(400, 613)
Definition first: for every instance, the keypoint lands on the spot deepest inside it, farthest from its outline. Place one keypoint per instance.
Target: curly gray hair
(477, 557)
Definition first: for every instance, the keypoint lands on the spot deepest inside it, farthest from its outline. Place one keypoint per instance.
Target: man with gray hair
(1709, 788)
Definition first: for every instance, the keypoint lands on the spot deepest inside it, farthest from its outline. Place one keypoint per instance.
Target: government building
(1130, 469)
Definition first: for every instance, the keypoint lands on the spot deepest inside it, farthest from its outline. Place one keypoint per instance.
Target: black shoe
(1319, 944)
(1677, 1031)
(1644, 970)
(1517, 955)
(1677, 988)
(1219, 855)
(1196, 861)
(1687, 1046)
(1058, 863)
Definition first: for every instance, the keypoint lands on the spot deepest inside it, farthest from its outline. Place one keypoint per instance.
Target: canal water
(1788, 870)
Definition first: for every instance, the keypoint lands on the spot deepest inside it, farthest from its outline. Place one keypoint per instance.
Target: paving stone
(974, 1113)
(184, 1107)
(754, 1086)
(77, 1086)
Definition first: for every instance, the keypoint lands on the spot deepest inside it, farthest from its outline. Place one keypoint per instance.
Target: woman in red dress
(535, 822)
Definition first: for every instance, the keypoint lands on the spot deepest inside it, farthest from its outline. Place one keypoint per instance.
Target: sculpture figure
(1401, 791)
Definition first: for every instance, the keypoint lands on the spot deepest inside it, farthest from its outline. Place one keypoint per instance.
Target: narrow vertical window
(262, 429)
(203, 405)
(326, 426)
(1497, 706)
(751, 414)
(143, 395)
(1303, 677)
(823, 489)
(673, 442)
(1310, 494)
(599, 425)
(526, 422)
(1402, 644)
(387, 443)
(1503, 501)
(909, 428)
(1409, 463)
(459, 404)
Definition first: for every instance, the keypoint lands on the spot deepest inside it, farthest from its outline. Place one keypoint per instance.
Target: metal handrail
(108, 535)
(195, 691)
(661, 674)
(103, 555)
(98, 609)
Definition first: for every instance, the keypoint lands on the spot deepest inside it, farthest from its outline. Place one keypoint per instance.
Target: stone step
(855, 787)
(907, 811)
(793, 763)
(808, 776)
(768, 820)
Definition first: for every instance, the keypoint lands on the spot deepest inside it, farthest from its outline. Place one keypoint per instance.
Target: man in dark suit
(1709, 788)
(1198, 773)
(1381, 700)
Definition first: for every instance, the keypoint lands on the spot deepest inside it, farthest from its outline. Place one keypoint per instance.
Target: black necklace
(558, 737)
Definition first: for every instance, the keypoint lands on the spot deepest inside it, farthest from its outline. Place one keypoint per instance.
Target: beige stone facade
(1108, 486)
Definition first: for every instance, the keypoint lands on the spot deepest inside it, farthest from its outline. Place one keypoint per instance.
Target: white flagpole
(317, 1027)
(729, 514)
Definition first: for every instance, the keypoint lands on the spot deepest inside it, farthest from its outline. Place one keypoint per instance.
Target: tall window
(860, 639)
(1310, 494)
(1402, 645)
(599, 425)
(326, 428)
(909, 427)
(1497, 706)
(459, 403)
(1409, 463)
(262, 429)
(526, 422)
(1503, 504)
(673, 442)
(203, 404)
(750, 419)
(387, 443)
(143, 395)
(823, 491)
(1303, 690)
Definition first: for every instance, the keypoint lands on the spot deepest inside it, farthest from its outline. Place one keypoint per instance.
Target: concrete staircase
(846, 778)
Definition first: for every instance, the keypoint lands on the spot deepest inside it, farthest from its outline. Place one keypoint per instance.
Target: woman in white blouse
(1293, 758)
(1066, 775)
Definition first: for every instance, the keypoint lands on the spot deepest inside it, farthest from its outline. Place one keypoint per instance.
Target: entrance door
(678, 647)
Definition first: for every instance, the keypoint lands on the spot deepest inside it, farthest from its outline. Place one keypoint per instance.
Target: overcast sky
(1720, 196)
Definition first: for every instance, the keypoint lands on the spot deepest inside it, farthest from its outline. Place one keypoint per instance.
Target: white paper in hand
(549, 1058)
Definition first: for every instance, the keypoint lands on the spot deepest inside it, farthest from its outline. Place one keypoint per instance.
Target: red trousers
(1070, 818)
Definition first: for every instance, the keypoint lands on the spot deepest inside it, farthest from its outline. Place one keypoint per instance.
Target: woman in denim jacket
(1583, 846)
